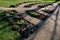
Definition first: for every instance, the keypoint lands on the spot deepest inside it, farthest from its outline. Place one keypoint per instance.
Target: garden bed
(48, 11)
(6, 32)
(28, 6)
(37, 15)
(18, 23)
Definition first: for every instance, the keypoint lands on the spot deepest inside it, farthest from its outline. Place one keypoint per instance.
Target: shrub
(13, 6)
(33, 14)
(48, 11)
(20, 22)
(29, 5)
(11, 13)
(41, 6)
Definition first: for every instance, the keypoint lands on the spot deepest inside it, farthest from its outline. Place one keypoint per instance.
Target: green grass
(7, 3)
(34, 14)
(6, 33)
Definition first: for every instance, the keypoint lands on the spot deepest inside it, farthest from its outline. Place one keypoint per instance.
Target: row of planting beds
(6, 32)
(18, 24)
(42, 4)
(23, 27)
(37, 15)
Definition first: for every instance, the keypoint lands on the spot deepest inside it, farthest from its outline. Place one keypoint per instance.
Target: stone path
(35, 20)
(50, 30)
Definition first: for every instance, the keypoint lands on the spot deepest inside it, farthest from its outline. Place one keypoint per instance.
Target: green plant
(20, 22)
(48, 11)
(11, 13)
(34, 14)
(6, 33)
(13, 6)
(41, 6)
(29, 5)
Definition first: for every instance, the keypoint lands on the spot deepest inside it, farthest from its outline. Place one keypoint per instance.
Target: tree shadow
(55, 26)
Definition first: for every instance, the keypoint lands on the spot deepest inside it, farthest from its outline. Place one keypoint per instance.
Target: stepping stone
(41, 12)
(28, 18)
(53, 17)
(32, 20)
(47, 8)
(35, 21)
(24, 14)
(51, 7)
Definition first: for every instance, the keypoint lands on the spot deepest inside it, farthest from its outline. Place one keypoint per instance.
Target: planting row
(37, 15)
(42, 4)
(24, 27)
(18, 24)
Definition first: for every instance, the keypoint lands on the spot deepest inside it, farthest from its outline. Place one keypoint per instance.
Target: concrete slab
(43, 13)
(49, 30)
(28, 18)
(35, 21)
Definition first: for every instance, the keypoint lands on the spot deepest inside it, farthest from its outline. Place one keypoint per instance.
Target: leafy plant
(13, 6)
(33, 14)
(20, 22)
(48, 11)
(29, 5)
(11, 13)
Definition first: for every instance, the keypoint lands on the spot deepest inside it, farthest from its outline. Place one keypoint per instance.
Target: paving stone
(41, 12)
(28, 18)
(32, 20)
(53, 17)
(47, 8)
(24, 14)
(45, 33)
(35, 21)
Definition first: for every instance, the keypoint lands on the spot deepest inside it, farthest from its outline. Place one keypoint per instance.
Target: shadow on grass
(55, 26)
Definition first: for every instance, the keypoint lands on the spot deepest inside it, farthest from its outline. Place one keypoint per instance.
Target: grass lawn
(7, 3)
(6, 32)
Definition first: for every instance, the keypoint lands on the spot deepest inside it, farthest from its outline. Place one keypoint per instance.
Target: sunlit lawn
(7, 3)
(6, 33)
